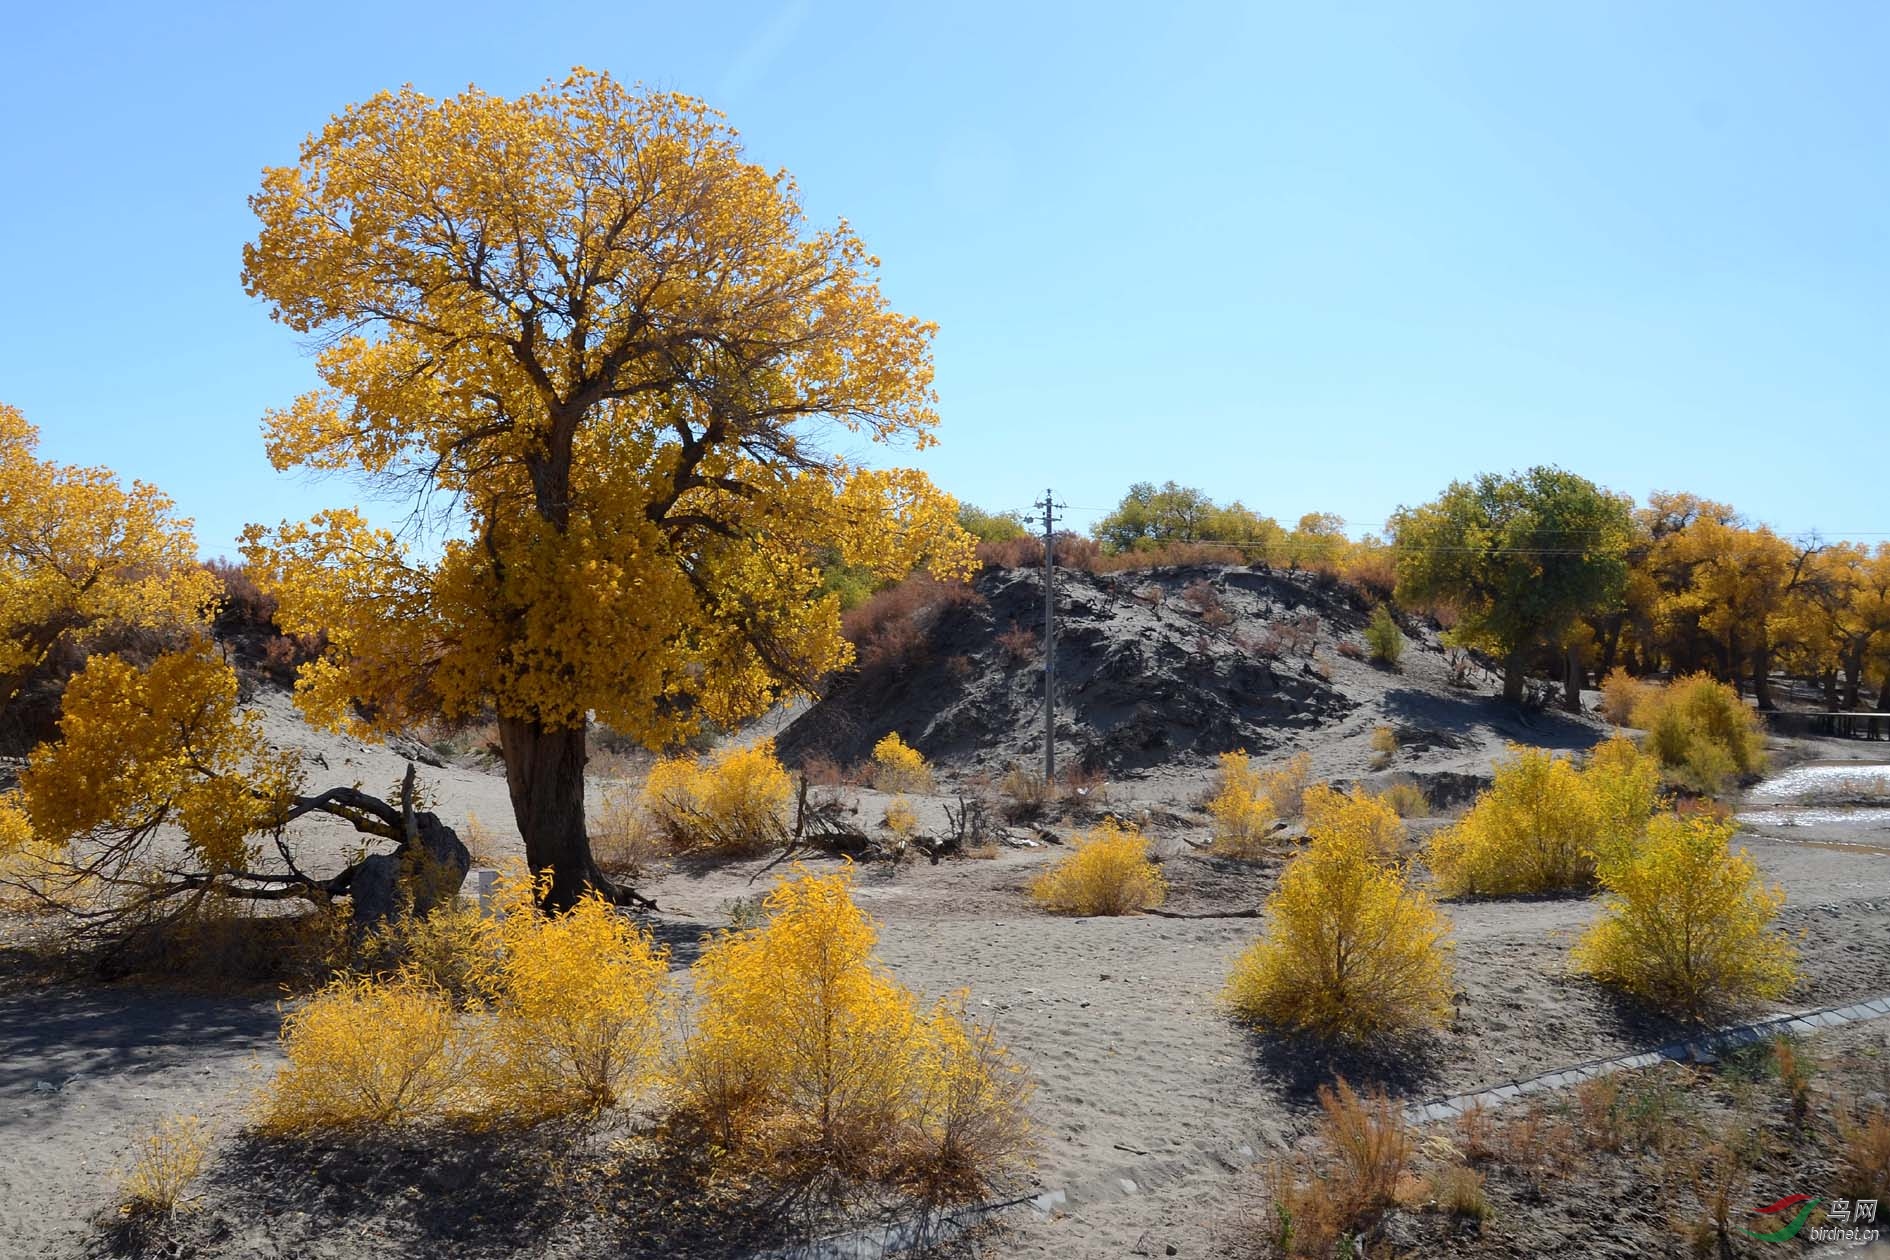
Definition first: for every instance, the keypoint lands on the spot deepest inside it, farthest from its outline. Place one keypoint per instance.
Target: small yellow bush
(729, 803)
(1109, 873)
(899, 767)
(901, 819)
(623, 840)
(1384, 745)
(1240, 809)
(1687, 926)
(454, 950)
(576, 1019)
(1356, 819)
(164, 1162)
(1285, 786)
(1622, 694)
(1702, 732)
(808, 1060)
(362, 1052)
(1543, 824)
(1407, 799)
(1350, 951)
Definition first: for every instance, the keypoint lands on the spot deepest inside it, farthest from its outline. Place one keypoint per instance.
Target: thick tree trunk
(1572, 683)
(1883, 693)
(1853, 681)
(1828, 681)
(1513, 676)
(1762, 678)
(544, 771)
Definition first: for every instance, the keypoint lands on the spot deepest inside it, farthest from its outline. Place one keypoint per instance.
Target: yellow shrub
(729, 803)
(577, 1013)
(365, 1053)
(454, 950)
(1241, 811)
(1702, 732)
(1356, 819)
(899, 767)
(1350, 950)
(1109, 873)
(809, 1060)
(1285, 786)
(1384, 745)
(165, 1160)
(1687, 926)
(901, 819)
(623, 840)
(1407, 799)
(1543, 824)
(1622, 694)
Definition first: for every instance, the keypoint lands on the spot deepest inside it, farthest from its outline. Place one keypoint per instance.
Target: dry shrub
(729, 803)
(576, 1018)
(1018, 644)
(1543, 826)
(1201, 596)
(810, 1064)
(1476, 1132)
(1406, 799)
(1795, 1069)
(891, 630)
(1351, 950)
(1598, 1103)
(1285, 785)
(1621, 694)
(1297, 635)
(1243, 815)
(1457, 1190)
(1026, 795)
(1172, 555)
(1704, 735)
(822, 771)
(623, 841)
(1687, 925)
(165, 1160)
(366, 1053)
(1109, 873)
(1318, 1202)
(1350, 650)
(899, 767)
(1011, 553)
(1863, 1154)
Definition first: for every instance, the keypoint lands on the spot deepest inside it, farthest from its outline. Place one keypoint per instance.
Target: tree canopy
(1519, 557)
(585, 332)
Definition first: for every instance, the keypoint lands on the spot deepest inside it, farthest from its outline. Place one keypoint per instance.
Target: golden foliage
(1241, 811)
(165, 1160)
(1350, 949)
(647, 517)
(1384, 745)
(899, 767)
(1285, 786)
(1357, 819)
(366, 1053)
(1406, 799)
(1702, 732)
(808, 1060)
(1107, 873)
(1543, 824)
(901, 819)
(1687, 926)
(728, 803)
(83, 554)
(1622, 694)
(577, 1011)
(143, 747)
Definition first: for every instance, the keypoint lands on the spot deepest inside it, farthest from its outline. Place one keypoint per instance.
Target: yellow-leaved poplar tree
(84, 553)
(604, 346)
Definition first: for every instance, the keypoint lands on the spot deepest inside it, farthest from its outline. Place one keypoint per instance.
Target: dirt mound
(1152, 667)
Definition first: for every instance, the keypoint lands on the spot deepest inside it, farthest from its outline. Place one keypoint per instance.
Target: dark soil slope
(1152, 667)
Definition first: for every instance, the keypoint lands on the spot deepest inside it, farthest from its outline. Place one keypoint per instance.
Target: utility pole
(1049, 506)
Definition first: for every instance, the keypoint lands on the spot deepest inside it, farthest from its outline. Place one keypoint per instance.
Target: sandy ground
(1148, 1098)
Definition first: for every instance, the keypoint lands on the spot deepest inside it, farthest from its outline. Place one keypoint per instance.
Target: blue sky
(1313, 256)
